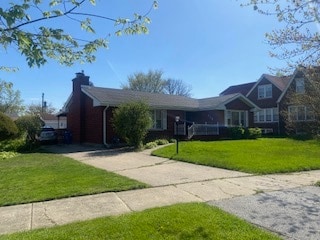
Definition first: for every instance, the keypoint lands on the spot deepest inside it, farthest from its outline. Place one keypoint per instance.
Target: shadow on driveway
(89, 150)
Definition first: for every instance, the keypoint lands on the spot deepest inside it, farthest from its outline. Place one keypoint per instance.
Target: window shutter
(164, 119)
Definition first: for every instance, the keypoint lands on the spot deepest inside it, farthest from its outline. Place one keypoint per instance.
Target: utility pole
(42, 103)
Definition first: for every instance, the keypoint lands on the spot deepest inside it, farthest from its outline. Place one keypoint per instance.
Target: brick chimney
(76, 116)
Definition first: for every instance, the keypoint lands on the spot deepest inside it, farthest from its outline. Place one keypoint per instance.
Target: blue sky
(209, 44)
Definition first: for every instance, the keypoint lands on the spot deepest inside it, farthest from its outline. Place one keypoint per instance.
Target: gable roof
(280, 82)
(241, 88)
(115, 97)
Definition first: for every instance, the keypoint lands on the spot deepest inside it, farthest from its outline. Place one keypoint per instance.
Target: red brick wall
(93, 122)
(76, 109)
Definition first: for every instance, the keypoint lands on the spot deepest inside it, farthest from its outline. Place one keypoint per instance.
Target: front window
(237, 118)
(300, 113)
(159, 119)
(267, 115)
(265, 91)
(300, 85)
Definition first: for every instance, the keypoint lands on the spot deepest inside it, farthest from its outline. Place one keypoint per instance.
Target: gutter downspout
(104, 129)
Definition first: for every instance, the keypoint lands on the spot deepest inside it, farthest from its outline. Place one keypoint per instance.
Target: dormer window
(300, 85)
(265, 91)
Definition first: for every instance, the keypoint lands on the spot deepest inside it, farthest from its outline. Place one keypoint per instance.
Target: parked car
(48, 135)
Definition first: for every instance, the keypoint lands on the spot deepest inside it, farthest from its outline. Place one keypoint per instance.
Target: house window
(266, 115)
(275, 114)
(237, 118)
(265, 91)
(159, 119)
(300, 113)
(300, 85)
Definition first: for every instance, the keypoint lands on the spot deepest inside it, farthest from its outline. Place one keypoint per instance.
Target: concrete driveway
(283, 203)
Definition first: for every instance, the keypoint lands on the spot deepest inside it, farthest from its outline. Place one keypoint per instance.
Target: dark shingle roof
(241, 88)
(114, 97)
(280, 82)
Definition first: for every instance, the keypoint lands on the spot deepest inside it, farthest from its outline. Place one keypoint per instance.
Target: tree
(303, 114)
(132, 121)
(8, 128)
(177, 87)
(22, 27)
(10, 101)
(298, 38)
(35, 109)
(298, 42)
(154, 82)
(149, 82)
(29, 125)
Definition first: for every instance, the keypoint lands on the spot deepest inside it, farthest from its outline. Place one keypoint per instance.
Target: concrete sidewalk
(173, 182)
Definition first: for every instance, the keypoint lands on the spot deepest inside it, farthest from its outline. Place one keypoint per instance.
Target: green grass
(262, 156)
(38, 177)
(182, 221)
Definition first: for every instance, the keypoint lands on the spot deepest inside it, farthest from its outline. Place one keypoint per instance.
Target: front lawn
(182, 221)
(261, 156)
(38, 177)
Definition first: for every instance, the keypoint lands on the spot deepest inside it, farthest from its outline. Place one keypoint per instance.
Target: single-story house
(89, 111)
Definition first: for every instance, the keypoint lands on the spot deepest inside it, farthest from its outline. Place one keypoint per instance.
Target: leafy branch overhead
(297, 38)
(30, 27)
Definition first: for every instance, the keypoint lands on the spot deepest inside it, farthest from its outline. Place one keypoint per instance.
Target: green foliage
(181, 221)
(151, 145)
(156, 143)
(296, 40)
(146, 82)
(8, 128)
(6, 155)
(10, 100)
(162, 141)
(132, 121)
(40, 177)
(252, 133)
(29, 125)
(13, 145)
(236, 132)
(154, 82)
(39, 43)
(261, 156)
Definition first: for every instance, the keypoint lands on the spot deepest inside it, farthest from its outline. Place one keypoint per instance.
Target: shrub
(162, 141)
(8, 129)
(151, 145)
(252, 133)
(236, 132)
(132, 121)
(12, 145)
(29, 125)
(5, 155)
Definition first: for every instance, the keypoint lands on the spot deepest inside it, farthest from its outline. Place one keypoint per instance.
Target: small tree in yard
(8, 128)
(132, 121)
(29, 125)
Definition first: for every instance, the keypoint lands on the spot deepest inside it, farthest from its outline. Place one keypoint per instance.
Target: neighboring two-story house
(273, 96)
(297, 114)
